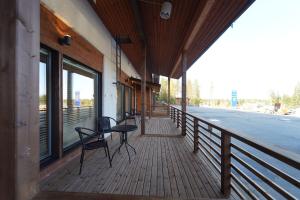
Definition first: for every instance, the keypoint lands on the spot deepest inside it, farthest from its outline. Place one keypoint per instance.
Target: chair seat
(130, 117)
(95, 145)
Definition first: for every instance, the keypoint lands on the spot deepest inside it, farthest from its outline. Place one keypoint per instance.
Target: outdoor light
(166, 8)
(66, 40)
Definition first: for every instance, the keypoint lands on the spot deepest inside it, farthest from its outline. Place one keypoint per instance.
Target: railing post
(177, 118)
(183, 123)
(174, 114)
(196, 135)
(225, 163)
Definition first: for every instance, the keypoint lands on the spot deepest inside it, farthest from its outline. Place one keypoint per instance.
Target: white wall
(79, 15)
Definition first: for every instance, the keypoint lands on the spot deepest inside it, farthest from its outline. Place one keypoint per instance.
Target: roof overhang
(193, 27)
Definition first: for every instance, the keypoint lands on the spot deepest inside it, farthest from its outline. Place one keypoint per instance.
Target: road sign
(77, 98)
(234, 100)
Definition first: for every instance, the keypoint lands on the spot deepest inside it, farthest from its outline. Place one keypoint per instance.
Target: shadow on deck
(164, 166)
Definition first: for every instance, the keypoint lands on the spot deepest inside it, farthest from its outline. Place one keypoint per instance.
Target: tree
(275, 98)
(296, 95)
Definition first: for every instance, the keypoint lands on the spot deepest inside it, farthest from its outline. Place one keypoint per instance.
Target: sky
(260, 53)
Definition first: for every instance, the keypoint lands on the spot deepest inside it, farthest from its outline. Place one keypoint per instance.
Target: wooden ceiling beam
(201, 15)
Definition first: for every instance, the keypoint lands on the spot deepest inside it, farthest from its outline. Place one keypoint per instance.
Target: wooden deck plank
(121, 173)
(208, 181)
(160, 181)
(165, 172)
(147, 182)
(185, 179)
(172, 178)
(164, 166)
(143, 170)
(153, 182)
(179, 181)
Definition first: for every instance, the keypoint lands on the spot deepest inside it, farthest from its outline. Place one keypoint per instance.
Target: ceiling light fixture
(65, 40)
(166, 8)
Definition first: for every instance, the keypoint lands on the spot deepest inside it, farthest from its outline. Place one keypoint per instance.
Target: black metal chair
(104, 125)
(130, 116)
(85, 136)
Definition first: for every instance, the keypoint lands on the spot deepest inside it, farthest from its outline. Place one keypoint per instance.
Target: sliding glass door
(80, 92)
(45, 104)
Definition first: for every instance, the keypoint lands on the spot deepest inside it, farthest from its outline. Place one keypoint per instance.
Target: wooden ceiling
(193, 27)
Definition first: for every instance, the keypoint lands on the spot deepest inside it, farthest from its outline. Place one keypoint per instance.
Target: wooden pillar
(57, 99)
(183, 93)
(225, 163)
(169, 89)
(150, 103)
(143, 95)
(19, 98)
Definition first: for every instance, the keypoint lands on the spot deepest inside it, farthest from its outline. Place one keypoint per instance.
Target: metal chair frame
(87, 144)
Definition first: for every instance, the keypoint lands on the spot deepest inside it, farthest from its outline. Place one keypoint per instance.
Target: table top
(124, 128)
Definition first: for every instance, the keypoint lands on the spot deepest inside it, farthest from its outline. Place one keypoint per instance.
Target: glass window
(120, 102)
(128, 99)
(44, 104)
(79, 100)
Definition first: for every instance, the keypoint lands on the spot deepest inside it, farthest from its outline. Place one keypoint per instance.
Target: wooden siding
(164, 166)
(53, 28)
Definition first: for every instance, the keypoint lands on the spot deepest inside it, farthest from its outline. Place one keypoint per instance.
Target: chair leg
(108, 154)
(127, 152)
(81, 160)
(105, 152)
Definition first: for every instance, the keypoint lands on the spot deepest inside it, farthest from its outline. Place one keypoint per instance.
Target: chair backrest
(80, 133)
(104, 124)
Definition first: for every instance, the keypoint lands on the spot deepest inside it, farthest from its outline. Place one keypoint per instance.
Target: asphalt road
(273, 130)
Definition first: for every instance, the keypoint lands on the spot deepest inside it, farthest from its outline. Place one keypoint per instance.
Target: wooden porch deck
(164, 166)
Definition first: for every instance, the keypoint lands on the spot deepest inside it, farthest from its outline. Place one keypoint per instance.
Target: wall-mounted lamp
(66, 40)
(166, 9)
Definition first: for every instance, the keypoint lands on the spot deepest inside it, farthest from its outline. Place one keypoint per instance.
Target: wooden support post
(19, 99)
(150, 103)
(225, 163)
(143, 95)
(183, 94)
(169, 89)
(196, 135)
(57, 99)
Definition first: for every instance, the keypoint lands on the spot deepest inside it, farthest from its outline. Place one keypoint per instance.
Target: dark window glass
(120, 102)
(44, 104)
(79, 100)
(128, 99)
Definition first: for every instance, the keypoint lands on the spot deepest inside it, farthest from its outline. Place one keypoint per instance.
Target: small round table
(124, 129)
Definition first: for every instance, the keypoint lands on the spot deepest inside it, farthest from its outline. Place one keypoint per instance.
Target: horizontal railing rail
(251, 169)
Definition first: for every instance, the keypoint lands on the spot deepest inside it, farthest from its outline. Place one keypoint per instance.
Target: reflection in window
(128, 99)
(44, 105)
(79, 103)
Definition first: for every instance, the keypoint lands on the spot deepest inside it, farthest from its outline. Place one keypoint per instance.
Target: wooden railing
(250, 169)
